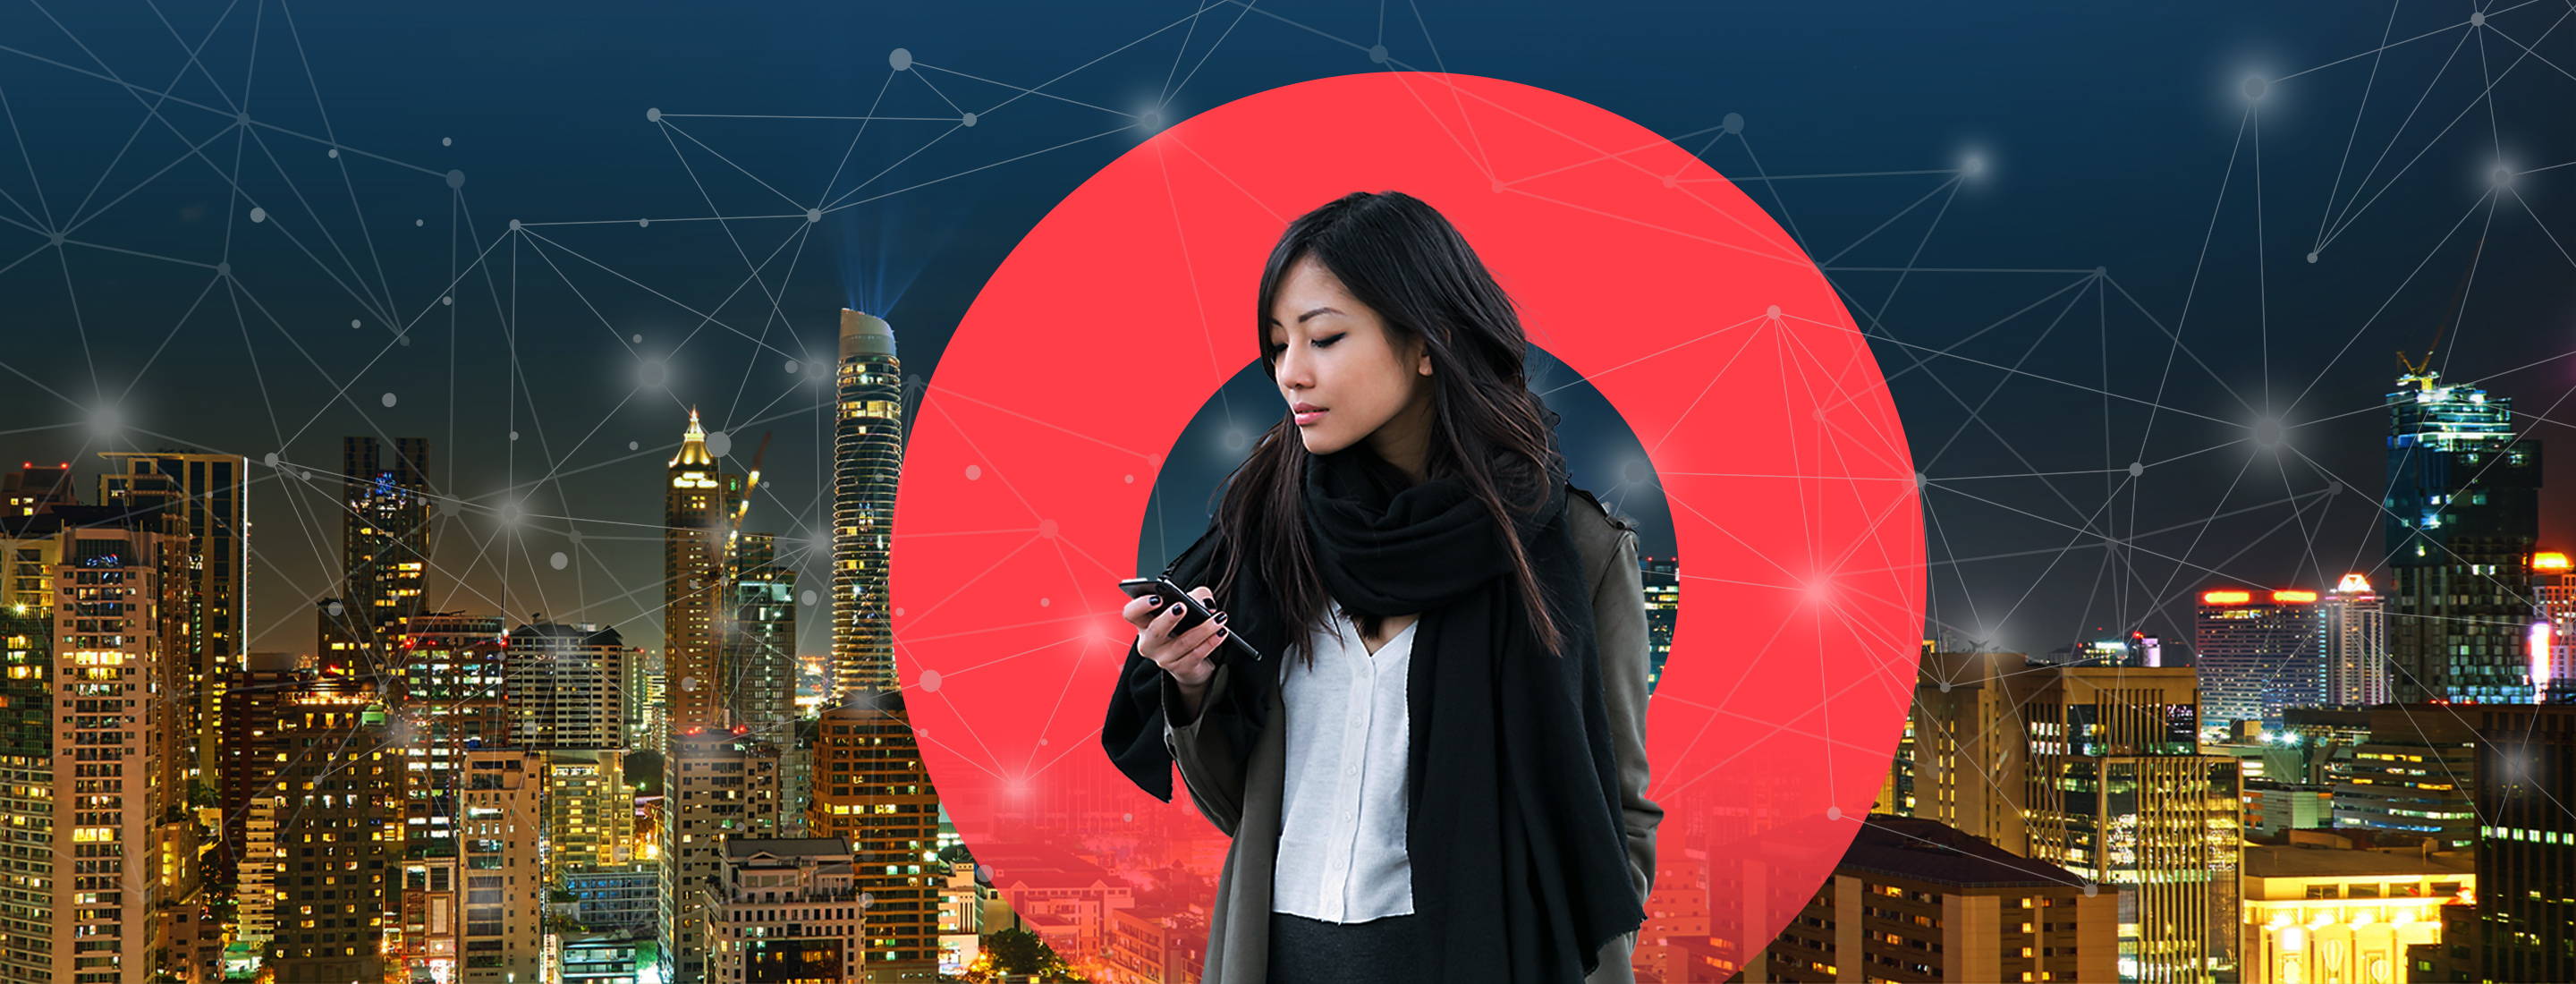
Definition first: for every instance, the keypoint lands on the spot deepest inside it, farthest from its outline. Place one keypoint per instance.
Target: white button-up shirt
(1341, 839)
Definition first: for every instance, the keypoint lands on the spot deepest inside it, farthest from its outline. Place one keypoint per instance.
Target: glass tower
(2462, 511)
(867, 459)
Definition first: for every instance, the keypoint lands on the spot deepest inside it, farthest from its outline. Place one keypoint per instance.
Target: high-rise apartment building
(2117, 792)
(2527, 851)
(867, 461)
(590, 811)
(207, 496)
(701, 503)
(471, 906)
(565, 686)
(323, 829)
(2259, 651)
(2462, 513)
(97, 852)
(2355, 630)
(717, 785)
(760, 641)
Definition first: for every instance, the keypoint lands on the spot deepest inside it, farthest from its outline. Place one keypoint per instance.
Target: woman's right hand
(1185, 656)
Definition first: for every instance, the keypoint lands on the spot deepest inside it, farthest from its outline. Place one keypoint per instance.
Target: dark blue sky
(2106, 136)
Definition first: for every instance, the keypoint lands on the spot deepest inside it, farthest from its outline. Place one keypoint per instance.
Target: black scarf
(1513, 815)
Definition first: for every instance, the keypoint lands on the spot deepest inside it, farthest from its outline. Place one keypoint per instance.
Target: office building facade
(207, 498)
(701, 502)
(565, 686)
(2527, 848)
(2355, 629)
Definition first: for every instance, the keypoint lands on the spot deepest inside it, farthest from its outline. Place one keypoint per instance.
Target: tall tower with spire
(867, 459)
(701, 503)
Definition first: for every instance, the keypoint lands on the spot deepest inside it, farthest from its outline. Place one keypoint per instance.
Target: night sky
(2060, 139)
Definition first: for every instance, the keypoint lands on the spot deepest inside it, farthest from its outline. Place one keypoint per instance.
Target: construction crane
(2420, 371)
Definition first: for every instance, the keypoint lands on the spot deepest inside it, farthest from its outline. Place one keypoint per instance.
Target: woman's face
(1342, 375)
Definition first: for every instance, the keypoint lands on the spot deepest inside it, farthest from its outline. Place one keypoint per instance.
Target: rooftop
(1931, 851)
(2302, 861)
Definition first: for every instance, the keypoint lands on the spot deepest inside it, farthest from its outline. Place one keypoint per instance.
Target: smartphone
(1138, 587)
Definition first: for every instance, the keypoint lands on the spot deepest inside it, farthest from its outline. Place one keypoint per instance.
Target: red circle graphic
(1716, 338)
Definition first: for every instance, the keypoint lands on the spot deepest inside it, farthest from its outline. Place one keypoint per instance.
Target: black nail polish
(1220, 616)
(1153, 599)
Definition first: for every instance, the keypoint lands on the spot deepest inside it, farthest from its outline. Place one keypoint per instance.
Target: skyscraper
(205, 495)
(564, 686)
(869, 786)
(2356, 638)
(717, 784)
(2526, 765)
(701, 502)
(326, 792)
(1970, 748)
(867, 461)
(384, 538)
(2259, 652)
(2462, 512)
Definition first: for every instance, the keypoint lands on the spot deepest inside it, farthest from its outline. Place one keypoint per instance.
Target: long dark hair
(1404, 260)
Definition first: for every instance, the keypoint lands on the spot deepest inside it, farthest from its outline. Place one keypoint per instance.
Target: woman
(1436, 771)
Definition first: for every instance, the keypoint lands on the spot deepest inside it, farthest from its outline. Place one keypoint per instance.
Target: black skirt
(1312, 951)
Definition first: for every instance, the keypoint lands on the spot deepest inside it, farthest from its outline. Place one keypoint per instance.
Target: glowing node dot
(223, 269)
(1922, 480)
(1498, 186)
(816, 215)
(353, 322)
(449, 300)
(417, 223)
(514, 225)
(1669, 182)
(1833, 813)
(2137, 468)
(2254, 88)
(387, 399)
(1046, 528)
(1042, 743)
(1773, 311)
(269, 459)
(336, 609)
(514, 435)
(634, 445)
(900, 59)
(1046, 602)
(637, 339)
(966, 120)
(808, 597)
(974, 472)
(1131, 479)
(447, 141)
(1945, 686)
(1733, 123)
(898, 611)
(1131, 818)
(719, 443)
(559, 561)
(335, 153)
(792, 367)
(258, 214)
(456, 179)
(2478, 18)
(930, 681)
(1377, 53)
(653, 115)
(1636, 473)
(2092, 890)
(2312, 257)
